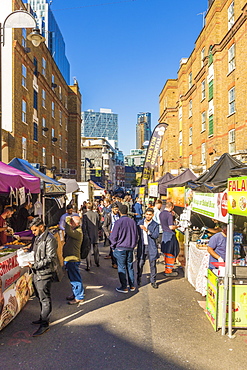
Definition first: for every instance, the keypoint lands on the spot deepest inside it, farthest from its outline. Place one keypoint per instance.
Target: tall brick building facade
(205, 107)
(43, 122)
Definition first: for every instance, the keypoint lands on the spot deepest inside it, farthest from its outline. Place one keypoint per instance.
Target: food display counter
(15, 286)
(214, 302)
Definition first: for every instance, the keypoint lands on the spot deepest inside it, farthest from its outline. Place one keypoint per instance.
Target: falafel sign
(153, 151)
(237, 195)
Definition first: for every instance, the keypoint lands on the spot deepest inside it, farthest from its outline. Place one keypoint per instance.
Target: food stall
(15, 282)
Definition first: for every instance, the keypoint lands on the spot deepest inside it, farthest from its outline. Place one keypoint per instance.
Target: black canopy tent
(179, 180)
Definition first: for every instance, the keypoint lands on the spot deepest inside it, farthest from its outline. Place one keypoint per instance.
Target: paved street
(146, 329)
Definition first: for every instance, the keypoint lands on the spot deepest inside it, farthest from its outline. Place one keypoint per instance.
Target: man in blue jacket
(137, 209)
(148, 231)
(124, 239)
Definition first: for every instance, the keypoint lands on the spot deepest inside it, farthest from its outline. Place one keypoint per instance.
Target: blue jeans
(125, 264)
(75, 278)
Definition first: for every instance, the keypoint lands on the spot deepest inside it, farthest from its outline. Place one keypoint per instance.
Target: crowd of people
(121, 225)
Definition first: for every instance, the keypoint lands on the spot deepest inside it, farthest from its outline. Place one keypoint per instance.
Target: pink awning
(11, 177)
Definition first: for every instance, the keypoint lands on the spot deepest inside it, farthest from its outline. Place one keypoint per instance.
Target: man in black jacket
(45, 260)
(108, 225)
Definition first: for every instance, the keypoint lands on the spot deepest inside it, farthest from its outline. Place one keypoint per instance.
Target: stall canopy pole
(224, 308)
(230, 274)
(186, 251)
(43, 204)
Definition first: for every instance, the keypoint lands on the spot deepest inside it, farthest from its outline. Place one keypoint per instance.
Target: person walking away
(92, 223)
(137, 209)
(72, 257)
(124, 239)
(108, 225)
(7, 213)
(45, 262)
(169, 245)
(148, 231)
(156, 218)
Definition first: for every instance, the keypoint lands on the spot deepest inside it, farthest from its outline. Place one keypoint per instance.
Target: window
(190, 159)
(203, 89)
(53, 109)
(202, 57)
(190, 135)
(190, 108)
(53, 82)
(66, 102)
(180, 138)
(35, 63)
(190, 80)
(211, 90)
(66, 145)
(211, 125)
(24, 111)
(231, 100)
(52, 133)
(231, 15)
(60, 141)
(203, 121)
(44, 155)
(24, 37)
(66, 124)
(210, 56)
(203, 153)
(24, 75)
(43, 67)
(231, 58)
(180, 112)
(60, 164)
(52, 160)
(35, 99)
(44, 126)
(231, 141)
(24, 147)
(43, 98)
(35, 131)
(60, 118)
(60, 92)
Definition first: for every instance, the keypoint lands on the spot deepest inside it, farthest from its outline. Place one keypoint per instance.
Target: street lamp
(17, 19)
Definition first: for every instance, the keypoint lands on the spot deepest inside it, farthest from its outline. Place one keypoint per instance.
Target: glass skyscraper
(100, 124)
(143, 129)
(50, 30)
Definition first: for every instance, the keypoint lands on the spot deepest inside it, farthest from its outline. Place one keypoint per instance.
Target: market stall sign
(153, 189)
(212, 299)
(10, 271)
(213, 205)
(177, 196)
(237, 195)
(142, 193)
(54, 188)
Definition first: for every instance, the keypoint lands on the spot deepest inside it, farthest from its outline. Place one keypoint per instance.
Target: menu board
(237, 196)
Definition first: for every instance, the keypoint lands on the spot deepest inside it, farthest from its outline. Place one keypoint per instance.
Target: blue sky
(122, 52)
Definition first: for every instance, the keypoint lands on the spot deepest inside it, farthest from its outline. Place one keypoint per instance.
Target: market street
(147, 329)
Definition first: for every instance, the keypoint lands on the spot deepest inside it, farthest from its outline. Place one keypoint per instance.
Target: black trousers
(42, 290)
(96, 255)
(153, 268)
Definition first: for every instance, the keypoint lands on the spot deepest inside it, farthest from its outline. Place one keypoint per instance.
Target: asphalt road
(147, 329)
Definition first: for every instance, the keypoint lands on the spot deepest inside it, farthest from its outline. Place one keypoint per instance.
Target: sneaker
(107, 257)
(122, 290)
(132, 288)
(76, 301)
(114, 266)
(70, 297)
(171, 274)
(154, 285)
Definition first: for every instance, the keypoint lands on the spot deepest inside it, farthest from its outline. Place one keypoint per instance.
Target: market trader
(217, 247)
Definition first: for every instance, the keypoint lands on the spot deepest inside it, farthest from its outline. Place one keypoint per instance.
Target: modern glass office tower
(54, 39)
(100, 124)
(143, 129)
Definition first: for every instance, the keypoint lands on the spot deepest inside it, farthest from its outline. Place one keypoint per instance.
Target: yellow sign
(237, 196)
(142, 192)
(177, 196)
